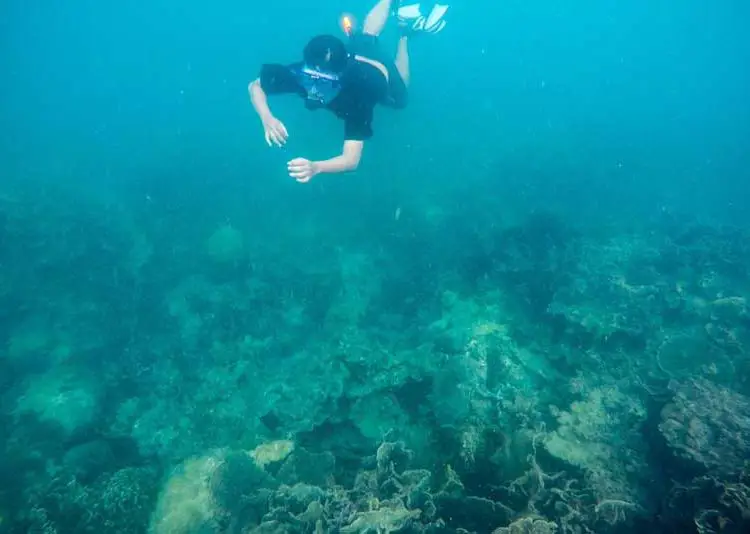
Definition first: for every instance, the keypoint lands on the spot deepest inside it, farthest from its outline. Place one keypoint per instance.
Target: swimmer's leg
(377, 17)
(402, 59)
(412, 21)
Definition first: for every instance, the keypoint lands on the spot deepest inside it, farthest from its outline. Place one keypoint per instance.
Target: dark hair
(326, 52)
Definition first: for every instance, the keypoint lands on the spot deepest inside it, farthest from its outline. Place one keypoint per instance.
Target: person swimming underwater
(348, 77)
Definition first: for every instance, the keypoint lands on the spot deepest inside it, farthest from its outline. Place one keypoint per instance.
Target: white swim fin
(410, 12)
(435, 22)
(410, 18)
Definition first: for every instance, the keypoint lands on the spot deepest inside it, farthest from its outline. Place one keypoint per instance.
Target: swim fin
(435, 22)
(411, 19)
(409, 12)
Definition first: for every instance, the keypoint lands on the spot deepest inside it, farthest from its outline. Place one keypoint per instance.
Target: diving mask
(321, 86)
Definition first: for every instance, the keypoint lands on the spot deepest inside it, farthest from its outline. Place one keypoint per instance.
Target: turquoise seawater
(526, 309)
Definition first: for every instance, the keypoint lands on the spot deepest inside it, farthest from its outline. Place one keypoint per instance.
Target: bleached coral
(186, 503)
(596, 435)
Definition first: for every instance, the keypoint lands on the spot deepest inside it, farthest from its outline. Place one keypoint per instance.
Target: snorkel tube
(347, 24)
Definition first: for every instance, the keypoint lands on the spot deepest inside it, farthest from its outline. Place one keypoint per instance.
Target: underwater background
(526, 312)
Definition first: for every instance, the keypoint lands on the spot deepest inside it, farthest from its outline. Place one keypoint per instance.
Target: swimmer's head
(326, 53)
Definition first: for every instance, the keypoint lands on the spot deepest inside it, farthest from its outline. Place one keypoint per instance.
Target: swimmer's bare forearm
(347, 161)
(259, 100)
(334, 165)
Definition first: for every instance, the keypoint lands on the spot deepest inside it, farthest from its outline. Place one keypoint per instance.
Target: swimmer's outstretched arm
(347, 161)
(259, 99)
(303, 170)
(275, 131)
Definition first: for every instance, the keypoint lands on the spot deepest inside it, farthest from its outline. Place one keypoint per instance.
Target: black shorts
(368, 46)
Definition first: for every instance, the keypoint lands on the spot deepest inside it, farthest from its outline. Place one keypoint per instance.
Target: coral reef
(709, 425)
(442, 376)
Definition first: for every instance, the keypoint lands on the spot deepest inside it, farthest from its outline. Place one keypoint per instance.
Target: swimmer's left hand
(302, 169)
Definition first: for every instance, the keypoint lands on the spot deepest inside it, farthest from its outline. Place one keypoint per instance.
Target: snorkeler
(348, 78)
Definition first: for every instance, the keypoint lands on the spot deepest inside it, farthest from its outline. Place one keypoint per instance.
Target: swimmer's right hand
(276, 133)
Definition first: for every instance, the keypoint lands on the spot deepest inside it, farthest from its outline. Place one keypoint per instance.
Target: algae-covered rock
(225, 245)
(63, 397)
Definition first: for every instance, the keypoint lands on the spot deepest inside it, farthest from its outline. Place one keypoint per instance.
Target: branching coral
(708, 424)
(597, 435)
(710, 505)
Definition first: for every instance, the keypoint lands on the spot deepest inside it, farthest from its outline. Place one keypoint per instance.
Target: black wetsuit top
(363, 86)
